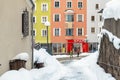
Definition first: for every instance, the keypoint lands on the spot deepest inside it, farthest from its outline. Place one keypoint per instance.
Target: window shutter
(25, 23)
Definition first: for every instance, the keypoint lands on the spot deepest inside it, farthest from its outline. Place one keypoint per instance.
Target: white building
(94, 21)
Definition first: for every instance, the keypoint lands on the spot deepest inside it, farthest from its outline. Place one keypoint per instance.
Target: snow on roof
(112, 10)
(22, 56)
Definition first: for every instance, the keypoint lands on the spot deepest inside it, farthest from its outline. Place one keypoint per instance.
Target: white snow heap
(115, 40)
(42, 56)
(84, 69)
(112, 10)
(22, 56)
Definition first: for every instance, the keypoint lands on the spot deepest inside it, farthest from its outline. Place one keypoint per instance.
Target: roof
(101, 11)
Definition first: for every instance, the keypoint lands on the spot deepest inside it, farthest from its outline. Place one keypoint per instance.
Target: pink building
(68, 25)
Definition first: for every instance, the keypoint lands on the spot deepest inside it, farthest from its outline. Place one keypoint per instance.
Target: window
(97, 6)
(58, 48)
(69, 4)
(100, 29)
(44, 33)
(79, 18)
(34, 19)
(80, 4)
(57, 4)
(44, 19)
(34, 33)
(92, 18)
(25, 23)
(69, 18)
(69, 32)
(44, 7)
(56, 32)
(56, 18)
(79, 31)
(101, 18)
(92, 30)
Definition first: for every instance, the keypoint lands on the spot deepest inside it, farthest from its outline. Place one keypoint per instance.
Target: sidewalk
(67, 57)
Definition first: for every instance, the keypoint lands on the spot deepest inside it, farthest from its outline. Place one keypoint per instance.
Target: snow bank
(112, 10)
(22, 56)
(53, 70)
(85, 68)
(21, 74)
(88, 66)
(43, 56)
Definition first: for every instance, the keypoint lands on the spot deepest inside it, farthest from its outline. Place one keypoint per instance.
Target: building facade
(94, 22)
(41, 15)
(15, 36)
(68, 22)
(68, 25)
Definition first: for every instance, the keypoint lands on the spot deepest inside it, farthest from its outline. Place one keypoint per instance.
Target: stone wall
(109, 57)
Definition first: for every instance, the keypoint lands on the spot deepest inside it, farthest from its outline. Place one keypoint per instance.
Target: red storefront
(72, 44)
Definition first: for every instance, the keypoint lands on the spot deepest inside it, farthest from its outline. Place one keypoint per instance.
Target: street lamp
(47, 24)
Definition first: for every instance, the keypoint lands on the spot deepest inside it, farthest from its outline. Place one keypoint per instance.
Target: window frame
(68, 4)
(92, 31)
(68, 18)
(81, 4)
(82, 32)
(78, 17)
(59, 32)
(42, 7)
(92, 18)
(43, 33)
(54, 17)
(34, 32)
(97, 6)
(69, 33)
(55, 4)
(42, 21)
(34, 19)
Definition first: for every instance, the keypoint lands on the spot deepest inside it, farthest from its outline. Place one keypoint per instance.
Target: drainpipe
(32, 64)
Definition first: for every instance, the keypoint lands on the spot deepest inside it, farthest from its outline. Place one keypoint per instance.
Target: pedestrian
(78, 51)
(71, 54)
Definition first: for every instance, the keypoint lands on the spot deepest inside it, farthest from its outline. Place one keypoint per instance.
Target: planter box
(17, 64)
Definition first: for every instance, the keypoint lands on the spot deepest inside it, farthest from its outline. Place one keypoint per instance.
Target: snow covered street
(84, 69)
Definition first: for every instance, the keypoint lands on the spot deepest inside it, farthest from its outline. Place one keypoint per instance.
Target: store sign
(78, 41)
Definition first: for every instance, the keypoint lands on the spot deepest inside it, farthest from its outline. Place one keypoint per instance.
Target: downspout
(32, 64)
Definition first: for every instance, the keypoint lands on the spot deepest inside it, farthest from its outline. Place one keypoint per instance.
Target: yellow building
(41, 15)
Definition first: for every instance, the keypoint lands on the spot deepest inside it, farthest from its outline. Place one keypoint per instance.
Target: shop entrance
(70, 45)
(73, 45)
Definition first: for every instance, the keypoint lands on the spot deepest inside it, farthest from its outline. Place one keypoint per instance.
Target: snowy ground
(84, 69)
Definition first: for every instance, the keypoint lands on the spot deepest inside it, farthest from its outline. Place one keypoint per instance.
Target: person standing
(78, 51)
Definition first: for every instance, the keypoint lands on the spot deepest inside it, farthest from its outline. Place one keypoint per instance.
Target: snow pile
(22, 56)
(112, 10)
(84, 69)
(89, 68)
(21, 74)
(112, 38)
(53, 70)
(42, 56)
